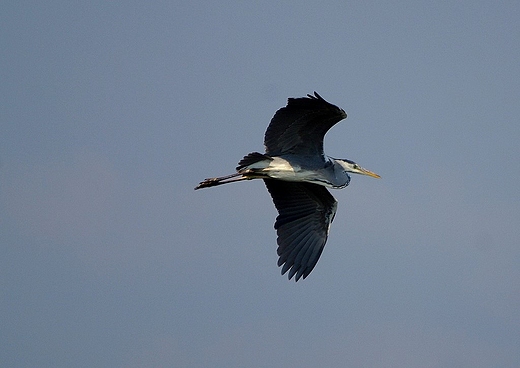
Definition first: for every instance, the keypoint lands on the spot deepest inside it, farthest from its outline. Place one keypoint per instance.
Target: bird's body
(296, 171)
(318, 170)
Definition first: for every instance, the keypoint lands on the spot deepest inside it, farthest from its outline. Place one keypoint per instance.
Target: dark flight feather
(300, 126)
(305, 212)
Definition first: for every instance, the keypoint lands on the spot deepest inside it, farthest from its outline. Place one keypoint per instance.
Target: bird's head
(352, 167)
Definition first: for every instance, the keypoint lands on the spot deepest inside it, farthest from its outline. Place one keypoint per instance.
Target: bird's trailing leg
(211, 182)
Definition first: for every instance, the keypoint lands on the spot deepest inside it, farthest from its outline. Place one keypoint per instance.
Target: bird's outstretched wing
(300, 127)
(305, 213)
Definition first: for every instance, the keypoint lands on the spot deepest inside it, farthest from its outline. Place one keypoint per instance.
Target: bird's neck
(339, 178)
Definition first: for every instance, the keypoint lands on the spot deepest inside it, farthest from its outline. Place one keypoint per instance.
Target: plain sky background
(111, 113)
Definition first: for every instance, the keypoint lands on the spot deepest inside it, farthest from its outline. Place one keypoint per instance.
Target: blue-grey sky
(111, 113)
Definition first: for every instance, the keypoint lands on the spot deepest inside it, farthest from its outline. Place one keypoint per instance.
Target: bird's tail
(250, 167)
(211, 182)
(254, 160)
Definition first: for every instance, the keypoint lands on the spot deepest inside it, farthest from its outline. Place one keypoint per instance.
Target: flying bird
(297, 172)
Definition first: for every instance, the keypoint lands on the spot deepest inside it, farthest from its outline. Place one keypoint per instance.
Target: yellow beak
(369, 173)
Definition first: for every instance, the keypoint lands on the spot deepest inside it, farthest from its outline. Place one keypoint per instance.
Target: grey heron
(296, 173)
